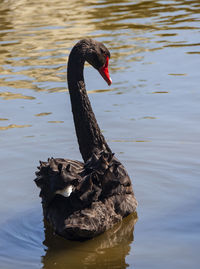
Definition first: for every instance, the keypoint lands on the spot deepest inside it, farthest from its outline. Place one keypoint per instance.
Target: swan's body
(82, 200)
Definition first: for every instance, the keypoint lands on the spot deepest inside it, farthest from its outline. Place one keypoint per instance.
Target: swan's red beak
(105, 73)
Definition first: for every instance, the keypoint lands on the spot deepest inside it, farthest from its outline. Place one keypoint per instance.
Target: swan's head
(98, 56)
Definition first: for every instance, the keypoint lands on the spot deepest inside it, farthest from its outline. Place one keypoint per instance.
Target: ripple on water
(21, 240)
(25, 245)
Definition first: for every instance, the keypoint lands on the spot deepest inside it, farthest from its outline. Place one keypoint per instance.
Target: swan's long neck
(89, 136)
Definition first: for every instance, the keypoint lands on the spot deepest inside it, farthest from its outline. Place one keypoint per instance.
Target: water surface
(149, 116)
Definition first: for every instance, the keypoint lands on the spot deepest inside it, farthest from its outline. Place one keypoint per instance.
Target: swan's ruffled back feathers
(101, 194)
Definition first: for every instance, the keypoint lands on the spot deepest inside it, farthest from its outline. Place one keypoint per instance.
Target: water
(149, 116)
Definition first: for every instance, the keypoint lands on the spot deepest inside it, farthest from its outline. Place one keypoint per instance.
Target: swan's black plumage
(82, 200)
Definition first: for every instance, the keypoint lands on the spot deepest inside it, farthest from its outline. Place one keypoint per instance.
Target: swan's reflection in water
(108, 250)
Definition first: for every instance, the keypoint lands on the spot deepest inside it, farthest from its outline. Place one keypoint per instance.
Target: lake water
(149, 116)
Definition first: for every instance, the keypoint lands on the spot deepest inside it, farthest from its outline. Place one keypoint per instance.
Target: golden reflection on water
(35, 37)
(43, 114)
(55, 121)
(14, 126)
(160, 92)
(108, 250)
(101, 90)
(177, 74)
(33, 48)
(10, 96)
(148, 117)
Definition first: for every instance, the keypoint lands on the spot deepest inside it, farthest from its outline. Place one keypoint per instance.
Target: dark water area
(149, 116)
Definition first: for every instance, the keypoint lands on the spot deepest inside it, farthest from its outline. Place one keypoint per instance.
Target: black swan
(82, 200)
